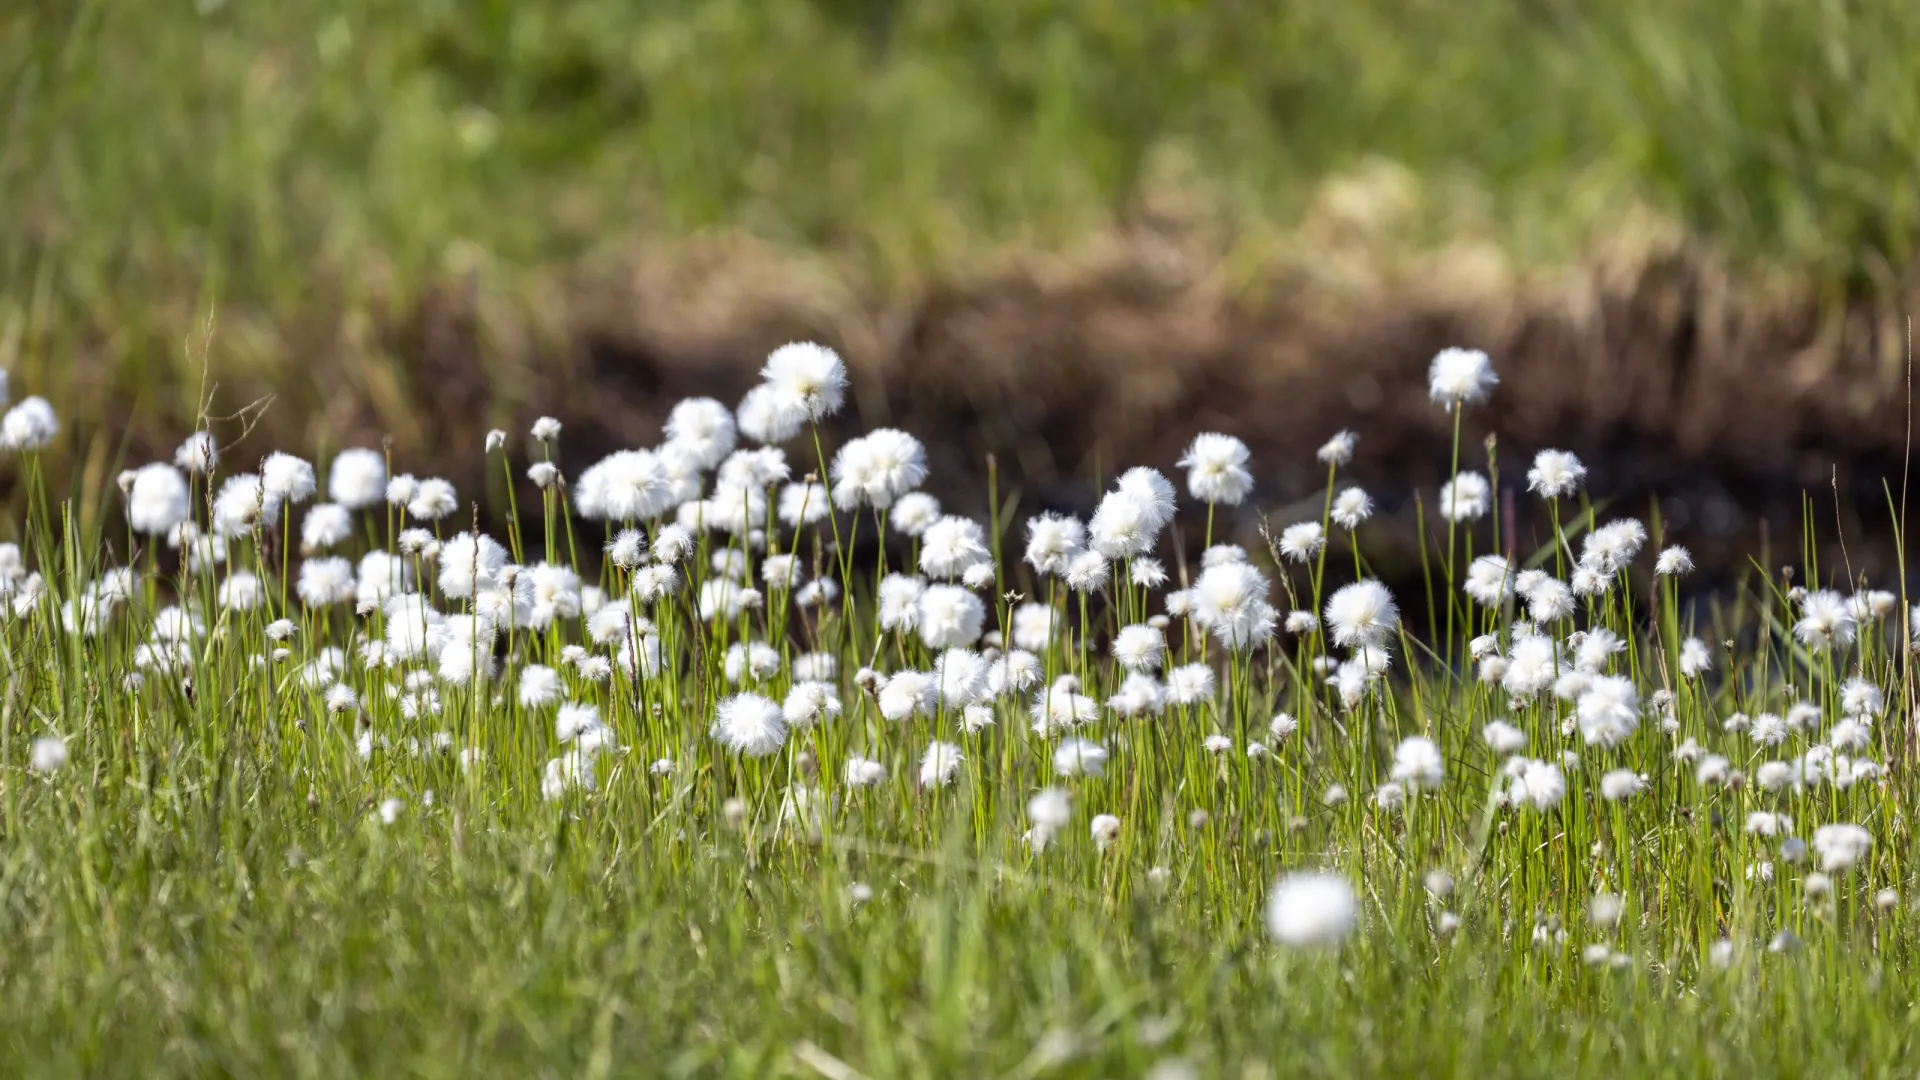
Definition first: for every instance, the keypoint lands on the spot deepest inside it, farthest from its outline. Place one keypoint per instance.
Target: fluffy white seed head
(1460, 376)
(1300, 543)
(1216, 467)
(1556, 474)
(806, 378)
(157, 500)
(1466, 497)
(1338, 451)
(358, 478)
(1362, 614)
(1311, 910)
(750, 725)
(198, 454)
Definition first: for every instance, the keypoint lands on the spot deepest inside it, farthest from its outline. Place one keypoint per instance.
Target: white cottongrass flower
(1609, 549)
(1016, 672)
(1674, 562)
(1826, 621)
(627, 549)
(1503, 738)
(539, 686)
(1417, 764)
(48, 755)
(1351, 507)
(402, 489)
(877, 469)
(1061, 707)
(1548, 600)
(358, 478)
(1139, 695)
(1302, 622)
(1609, 711)
(1147, 573)
(1556, 474)
(1190, 684)
(864, 772)
(809, 703)
(1466, 497)
(1539, 784)
(1595, 649)
(1620, 784)
(759, 468)
(1338, 450)
(672, 544)
(546, 430)
(761, 417)
(1122, 526)
(469, 563)
(628, 486)
(157, 500)
(241, 592)
(961, 677)
(1230, 600)
(433, 499)
(755, 660)
(341, 698)
(950, 617)
(1152, 491)
(1713, 771)
(1695, 659)
(286, 478)
(198, 454)
(1490, 580)
(1139, 647)
(1841, 846)
(1048, 812)
(1460, 376)
(939, 764)
(1300, 543)
(703, 429)
(750, 725)
(913, 513)
(325, 525)
(1222, 555)
(1861, 699)
(908, 694)
(1079, 757)
(1362, 614)
(807, 378)
(951, 545)
(899, 597)
(242, 505)
(1053, 541)
(1105, 829)
(654, 582)
(780, 572)
(30, 425)
(1216, 467)
(807, 504)
(327, 581)
(1311, 910)
(1850, 735)
(1088, 572)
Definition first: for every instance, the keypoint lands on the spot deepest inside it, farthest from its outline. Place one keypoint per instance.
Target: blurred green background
(311, 174)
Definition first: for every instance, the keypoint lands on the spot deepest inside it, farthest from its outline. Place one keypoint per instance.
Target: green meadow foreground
(745, 758)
